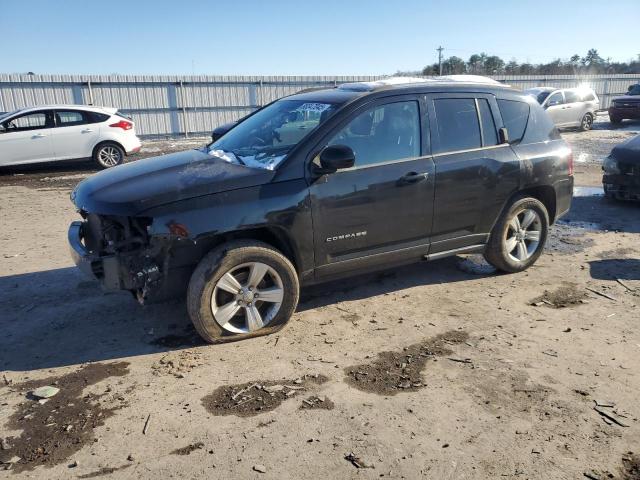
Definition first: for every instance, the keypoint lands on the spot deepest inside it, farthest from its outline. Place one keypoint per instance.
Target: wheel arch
(103, 142)
(544, 193)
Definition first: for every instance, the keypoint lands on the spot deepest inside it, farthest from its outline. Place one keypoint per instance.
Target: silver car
(568, 107)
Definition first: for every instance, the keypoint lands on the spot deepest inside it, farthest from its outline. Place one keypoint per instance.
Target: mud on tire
(208, 291)
(528, 243)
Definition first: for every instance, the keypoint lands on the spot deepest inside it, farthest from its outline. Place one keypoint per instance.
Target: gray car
(568, 107)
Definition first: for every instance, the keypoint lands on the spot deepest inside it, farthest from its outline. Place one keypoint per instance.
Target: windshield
(635, 90)
(539, 95)
(6, 115)
(264, 139)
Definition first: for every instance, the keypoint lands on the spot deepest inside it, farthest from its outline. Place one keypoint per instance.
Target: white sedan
(66, 132)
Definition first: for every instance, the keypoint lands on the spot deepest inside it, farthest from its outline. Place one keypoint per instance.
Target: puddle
(394, 372)
(52, 432)
(253, 398)
(582, 225)
(567, 240)
(579, 191)
(567, 295)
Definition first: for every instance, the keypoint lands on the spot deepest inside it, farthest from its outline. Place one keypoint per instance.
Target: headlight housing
(610, 166)
(614, 104)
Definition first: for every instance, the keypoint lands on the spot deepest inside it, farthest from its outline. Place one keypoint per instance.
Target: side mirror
(630, 88)
(218, 132)
(336, 157)
(503, 135)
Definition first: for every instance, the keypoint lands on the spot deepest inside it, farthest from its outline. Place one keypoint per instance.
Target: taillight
(123, 124)
(570, 163)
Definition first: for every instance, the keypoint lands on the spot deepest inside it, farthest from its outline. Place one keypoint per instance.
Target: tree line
(482, 64)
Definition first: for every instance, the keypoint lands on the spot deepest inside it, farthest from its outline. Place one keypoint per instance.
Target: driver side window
(555, 99)
(30, 121)
(383, 133)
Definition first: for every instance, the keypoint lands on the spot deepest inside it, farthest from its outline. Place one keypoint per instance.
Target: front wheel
(518, 238)
(242, 289)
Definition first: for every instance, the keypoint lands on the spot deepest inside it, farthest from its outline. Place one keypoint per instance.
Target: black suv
(321, 185)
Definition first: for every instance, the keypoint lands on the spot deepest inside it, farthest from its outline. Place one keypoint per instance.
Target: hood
(629, 151)
(134, 187)
(627, 98)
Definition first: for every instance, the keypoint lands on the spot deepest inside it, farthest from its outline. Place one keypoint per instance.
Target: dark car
(322, 185)
(627, 106)
(621, 179)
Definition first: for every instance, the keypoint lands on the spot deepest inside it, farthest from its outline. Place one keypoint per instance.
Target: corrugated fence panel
(165, 105)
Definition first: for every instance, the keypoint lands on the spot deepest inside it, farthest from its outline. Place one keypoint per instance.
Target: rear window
(458, 126)
(588, 97)
(96, 117)
(540, 127)
(515, 116)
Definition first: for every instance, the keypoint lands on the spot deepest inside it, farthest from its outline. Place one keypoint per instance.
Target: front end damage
(119, 252)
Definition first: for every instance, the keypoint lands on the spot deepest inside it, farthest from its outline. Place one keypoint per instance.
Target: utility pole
(440, 59)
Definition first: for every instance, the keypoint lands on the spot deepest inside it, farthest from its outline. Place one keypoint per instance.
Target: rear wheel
(108, 155)
(587, 122)
(242, 289)
(518, 238)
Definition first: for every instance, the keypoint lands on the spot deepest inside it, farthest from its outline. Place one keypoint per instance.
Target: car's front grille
(635, 105)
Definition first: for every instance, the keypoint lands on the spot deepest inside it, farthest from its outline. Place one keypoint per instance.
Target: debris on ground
(566, 295)
(260, 468)
(357, 461)
(630, 466)
(393, 372)
(188, 449)
(476, 265)
(104, 471)
(178, 363)
(57, 429)
(252, 398)
(315, 402)
(45, 392)
(609, 414)
(146, 425)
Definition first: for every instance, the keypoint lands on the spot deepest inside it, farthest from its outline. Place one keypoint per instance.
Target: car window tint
(515, 116)
(31, 121)
(555, 99)
(96, 117)
(489, 134)
(540, 127)
(570, 96)
(588, 97)
(70, 118)
(458, 125)
(383, 133)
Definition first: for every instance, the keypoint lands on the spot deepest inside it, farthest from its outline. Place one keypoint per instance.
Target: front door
(381, 209)
(26, 139)
(555, 107)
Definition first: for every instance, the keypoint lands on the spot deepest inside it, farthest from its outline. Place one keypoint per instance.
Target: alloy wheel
(587, 121)
(109, 156)
(523, 235)
(247, 297)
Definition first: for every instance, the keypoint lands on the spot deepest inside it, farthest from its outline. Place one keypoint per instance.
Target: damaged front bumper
(134, 271)
(622, 187)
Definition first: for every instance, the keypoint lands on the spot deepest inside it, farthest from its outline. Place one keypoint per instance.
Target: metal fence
(192, 105)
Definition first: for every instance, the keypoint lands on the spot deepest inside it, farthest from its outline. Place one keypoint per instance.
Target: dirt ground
(443, 370)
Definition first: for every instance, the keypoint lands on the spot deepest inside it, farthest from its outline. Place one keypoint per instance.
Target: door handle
(38, 135)
(87, 130)
(413, 177)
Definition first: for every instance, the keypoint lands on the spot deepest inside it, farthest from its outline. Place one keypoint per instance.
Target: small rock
(74, 464)
(14, 459)
(260, 468)
(4, 444)
(45, 392)
(68, 428)
(130, 458)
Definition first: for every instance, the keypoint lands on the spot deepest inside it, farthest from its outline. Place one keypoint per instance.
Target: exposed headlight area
(610, 166)
(109, 234)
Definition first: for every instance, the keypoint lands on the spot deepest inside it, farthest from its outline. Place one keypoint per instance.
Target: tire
(108, 155)
(504, 236)
(235, 316)
(586, 123)
(615, 120)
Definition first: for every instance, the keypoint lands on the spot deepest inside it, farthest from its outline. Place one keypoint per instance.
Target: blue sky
(297, 37)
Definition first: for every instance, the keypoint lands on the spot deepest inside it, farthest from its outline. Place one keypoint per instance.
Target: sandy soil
(442, 371)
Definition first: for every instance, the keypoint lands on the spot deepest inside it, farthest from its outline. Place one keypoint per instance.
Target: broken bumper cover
(103, 268)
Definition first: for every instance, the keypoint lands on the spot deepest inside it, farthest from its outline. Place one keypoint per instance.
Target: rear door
(380, 210)
(574, 108)
(475, 174)
(26, 138)
(75, 134)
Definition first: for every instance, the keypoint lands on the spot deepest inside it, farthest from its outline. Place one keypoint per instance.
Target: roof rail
(391, 81)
